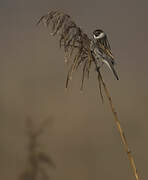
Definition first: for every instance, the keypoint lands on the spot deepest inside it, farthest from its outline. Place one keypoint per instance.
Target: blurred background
(83, 140)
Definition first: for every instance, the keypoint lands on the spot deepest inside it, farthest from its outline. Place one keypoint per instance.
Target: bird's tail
(110, 64)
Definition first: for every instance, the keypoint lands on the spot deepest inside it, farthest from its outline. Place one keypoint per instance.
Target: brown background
(83, 140)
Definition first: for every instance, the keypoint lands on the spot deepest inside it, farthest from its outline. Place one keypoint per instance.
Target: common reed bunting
(102, 51)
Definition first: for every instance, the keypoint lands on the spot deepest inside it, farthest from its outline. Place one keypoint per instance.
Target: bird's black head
(99, 34)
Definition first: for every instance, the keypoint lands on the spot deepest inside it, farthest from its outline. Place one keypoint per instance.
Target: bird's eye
(97, 33)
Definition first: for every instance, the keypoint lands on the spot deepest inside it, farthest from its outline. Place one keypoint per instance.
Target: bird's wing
(104, 41)
(107, 58)
(106, 51)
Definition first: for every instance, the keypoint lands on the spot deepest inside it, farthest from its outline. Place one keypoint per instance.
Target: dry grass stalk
(122, 134)
(77, 48)
(37, 159)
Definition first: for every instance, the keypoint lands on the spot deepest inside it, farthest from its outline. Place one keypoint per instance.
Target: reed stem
(121, 132)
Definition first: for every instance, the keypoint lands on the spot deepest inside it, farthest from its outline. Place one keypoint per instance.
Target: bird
(102, 49)
(79, 48)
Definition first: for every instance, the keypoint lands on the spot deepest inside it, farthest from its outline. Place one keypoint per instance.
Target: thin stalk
(121, 132)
